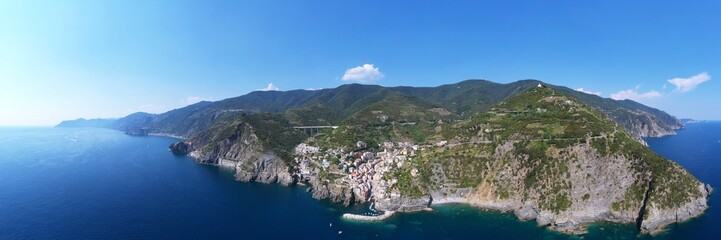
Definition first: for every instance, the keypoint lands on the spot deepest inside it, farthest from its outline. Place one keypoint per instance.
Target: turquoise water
(102, 184)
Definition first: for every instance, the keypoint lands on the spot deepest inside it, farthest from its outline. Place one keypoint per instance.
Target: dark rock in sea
(180, 148)
(709, 189)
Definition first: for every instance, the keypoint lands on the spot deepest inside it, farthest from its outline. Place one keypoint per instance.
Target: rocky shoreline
(572, 223)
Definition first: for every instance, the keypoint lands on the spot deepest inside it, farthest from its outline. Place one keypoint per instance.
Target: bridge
(313, 130)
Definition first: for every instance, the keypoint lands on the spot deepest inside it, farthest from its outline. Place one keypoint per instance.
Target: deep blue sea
(60, 183)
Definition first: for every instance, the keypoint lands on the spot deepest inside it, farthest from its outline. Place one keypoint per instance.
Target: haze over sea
(87, 183)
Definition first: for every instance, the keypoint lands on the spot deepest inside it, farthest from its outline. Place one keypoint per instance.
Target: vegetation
(408, 185)
(475, 118)
(333, 106)
(276, 133)
(395, 118)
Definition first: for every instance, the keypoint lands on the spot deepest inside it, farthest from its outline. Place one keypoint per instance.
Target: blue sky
(69, 59)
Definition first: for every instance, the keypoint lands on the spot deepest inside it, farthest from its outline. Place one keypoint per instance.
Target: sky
(104, 59)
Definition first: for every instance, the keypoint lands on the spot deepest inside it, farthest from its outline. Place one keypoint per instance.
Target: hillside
(541, 153)
(395, 118)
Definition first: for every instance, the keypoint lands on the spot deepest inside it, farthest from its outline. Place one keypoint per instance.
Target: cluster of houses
(305, 154)
(366, 169)
(363, 169)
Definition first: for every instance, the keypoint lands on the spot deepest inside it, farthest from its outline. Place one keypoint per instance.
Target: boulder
(526, 213)
(709, 189)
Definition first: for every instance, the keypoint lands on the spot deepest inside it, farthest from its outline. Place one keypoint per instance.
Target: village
(360, 169)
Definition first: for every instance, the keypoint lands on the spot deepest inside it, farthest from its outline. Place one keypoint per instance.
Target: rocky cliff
(644, 124)
(243, 152)
(239, 146)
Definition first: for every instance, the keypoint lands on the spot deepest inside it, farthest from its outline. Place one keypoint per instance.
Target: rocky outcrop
(403, 203)
(337, 193)
(180, 148)
(237, 147)
(709, 189)
(657, 217)
(526, 212)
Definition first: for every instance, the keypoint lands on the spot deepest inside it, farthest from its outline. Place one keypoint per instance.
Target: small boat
(339, 232)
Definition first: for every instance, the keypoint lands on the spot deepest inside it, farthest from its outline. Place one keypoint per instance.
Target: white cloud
(688, 84)
(364, 74)
(588, 92)
(193, 99)
(633, 94)
(270, 87)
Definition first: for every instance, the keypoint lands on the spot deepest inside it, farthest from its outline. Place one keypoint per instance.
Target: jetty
(375, 218)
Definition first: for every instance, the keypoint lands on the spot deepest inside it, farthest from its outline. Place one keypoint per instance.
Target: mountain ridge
(464, 98)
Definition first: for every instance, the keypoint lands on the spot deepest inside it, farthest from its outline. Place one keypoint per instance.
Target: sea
(90, 183)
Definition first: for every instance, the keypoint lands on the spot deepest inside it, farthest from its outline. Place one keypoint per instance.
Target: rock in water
(709, 189)
(180, 148)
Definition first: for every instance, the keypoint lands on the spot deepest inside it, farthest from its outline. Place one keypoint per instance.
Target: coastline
(544, 219)
(450, 200)
(493, 206)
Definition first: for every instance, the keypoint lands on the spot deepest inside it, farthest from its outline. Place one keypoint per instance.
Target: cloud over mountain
(270, 87)
(688, 84)
(588, 92)
(364, 74)
(633, 94)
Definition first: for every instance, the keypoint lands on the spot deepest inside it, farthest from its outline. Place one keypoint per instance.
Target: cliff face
(238, 147)
(578, 188)
(644, 124)
(585, 186)
(659, 216)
